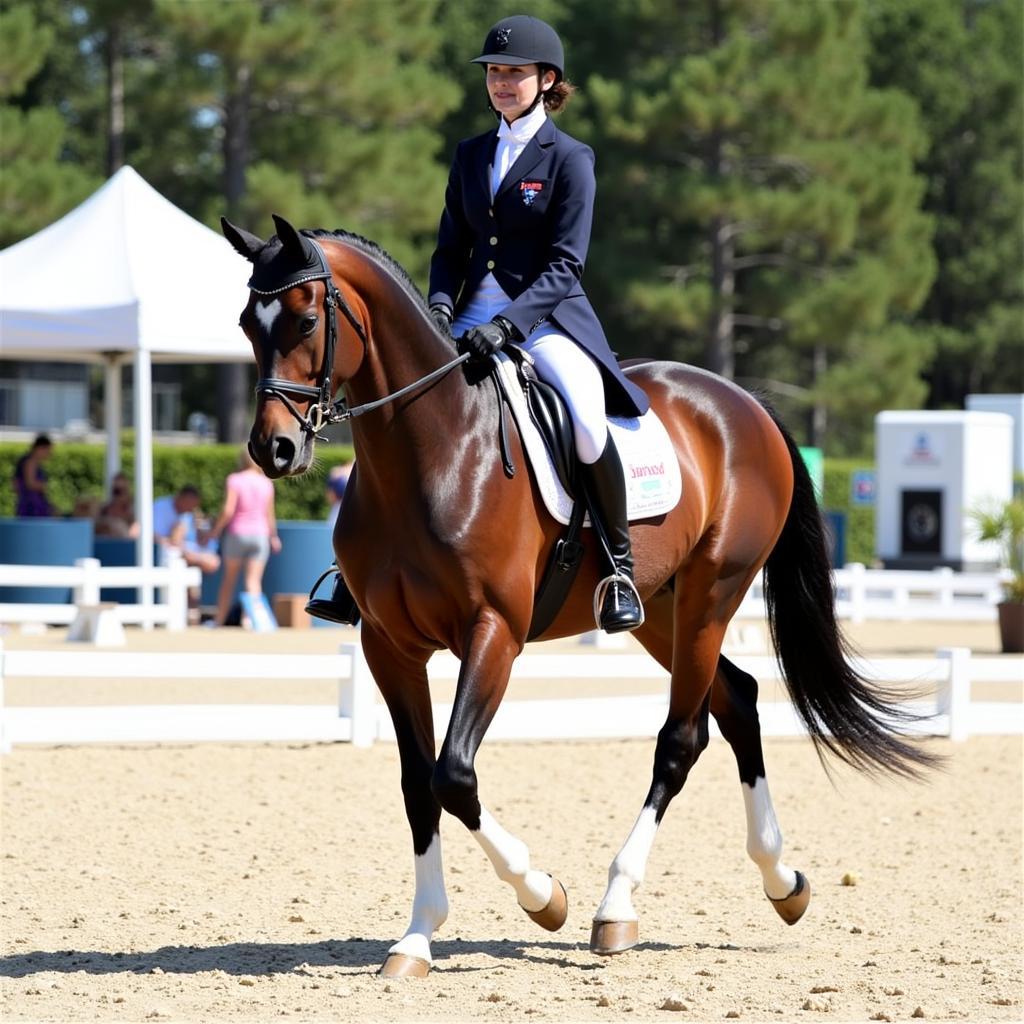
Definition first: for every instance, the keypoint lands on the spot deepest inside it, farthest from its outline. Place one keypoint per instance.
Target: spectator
(117, 516)
(174, 528)
(30, 480)
(337, 480)
(248, 528)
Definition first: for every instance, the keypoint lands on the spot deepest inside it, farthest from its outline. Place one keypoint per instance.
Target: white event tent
(125, 276)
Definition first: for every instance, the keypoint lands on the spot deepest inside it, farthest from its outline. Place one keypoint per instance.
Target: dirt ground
(254, 882)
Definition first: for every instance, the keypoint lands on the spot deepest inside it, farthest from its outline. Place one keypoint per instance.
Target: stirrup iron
(340, 607)
(601, 591)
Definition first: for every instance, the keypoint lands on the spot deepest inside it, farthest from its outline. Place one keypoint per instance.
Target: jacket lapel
(530, 156)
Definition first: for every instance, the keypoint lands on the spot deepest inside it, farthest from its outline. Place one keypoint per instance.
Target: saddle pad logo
(529, 190)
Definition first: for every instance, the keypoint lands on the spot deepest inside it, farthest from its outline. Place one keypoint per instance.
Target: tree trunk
(819, 414)
(115, 99)
(720, 353)
(720, 350)
(233, 378)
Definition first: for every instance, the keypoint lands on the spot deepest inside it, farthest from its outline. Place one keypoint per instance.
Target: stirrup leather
(602, 590)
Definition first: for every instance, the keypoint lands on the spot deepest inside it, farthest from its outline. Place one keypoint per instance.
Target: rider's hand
(442, 317)
(485, 339)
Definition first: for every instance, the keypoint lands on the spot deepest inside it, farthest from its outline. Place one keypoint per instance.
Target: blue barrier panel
(39, 541)
(835, 537)
(119, 551)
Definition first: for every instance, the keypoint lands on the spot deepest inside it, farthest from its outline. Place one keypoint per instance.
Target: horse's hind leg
(690, 652)
(734, 705)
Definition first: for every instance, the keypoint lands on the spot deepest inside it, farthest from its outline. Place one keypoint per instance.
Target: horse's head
(291, 321)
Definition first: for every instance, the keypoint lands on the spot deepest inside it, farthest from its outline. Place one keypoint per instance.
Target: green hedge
(860, 519)
(76, 471)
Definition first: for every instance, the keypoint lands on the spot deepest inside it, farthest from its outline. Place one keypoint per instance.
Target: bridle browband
(323, 411)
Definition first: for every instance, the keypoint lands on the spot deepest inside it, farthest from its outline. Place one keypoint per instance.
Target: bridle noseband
(323, 411)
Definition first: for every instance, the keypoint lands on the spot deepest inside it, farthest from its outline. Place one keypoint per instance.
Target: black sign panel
(921, 523)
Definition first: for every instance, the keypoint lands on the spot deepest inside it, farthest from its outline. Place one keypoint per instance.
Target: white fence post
(947, 587)
(357, 697)
(5, 743)
(88, 591)
(858, 591)
(176, 592)
(953, 696)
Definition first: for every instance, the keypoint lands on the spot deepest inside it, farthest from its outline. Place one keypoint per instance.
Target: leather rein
(322, 410)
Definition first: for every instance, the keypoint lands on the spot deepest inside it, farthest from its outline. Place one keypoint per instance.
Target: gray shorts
(245, 545)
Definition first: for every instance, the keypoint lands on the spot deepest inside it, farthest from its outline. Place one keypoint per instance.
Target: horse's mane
(379, 256)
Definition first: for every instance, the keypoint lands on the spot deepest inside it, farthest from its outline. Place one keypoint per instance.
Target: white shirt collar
(522, 129)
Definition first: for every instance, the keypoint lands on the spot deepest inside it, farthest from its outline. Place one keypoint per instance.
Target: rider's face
(513, 88)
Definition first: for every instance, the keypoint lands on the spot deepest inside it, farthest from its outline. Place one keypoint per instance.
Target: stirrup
(602, 591)
(340, 607)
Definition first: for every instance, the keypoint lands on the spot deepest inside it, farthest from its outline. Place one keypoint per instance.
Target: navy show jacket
(534, 239)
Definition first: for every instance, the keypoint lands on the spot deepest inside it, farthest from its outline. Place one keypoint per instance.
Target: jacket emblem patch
(529, 190)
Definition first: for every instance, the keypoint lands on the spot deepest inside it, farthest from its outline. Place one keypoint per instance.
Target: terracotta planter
(1011, 626)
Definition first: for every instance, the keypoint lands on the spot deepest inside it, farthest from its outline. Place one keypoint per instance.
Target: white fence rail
(359, 719)
(936, 594)
(87, 577)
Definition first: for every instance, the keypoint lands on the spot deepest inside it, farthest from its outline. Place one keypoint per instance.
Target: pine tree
(961, 61)
(37, 186)
(758, 211)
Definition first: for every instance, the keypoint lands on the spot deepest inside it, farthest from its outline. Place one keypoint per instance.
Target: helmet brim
(503, 58)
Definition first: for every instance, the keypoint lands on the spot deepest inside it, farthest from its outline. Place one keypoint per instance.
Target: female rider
(511, 247)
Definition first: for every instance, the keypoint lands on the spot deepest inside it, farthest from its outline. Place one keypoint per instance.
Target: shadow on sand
(358, 956)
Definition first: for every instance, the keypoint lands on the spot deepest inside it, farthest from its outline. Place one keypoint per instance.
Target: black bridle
(323, 411)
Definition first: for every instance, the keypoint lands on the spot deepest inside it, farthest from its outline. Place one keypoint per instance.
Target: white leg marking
(626, 874)
(511, 860)
(267, 311)
(429, 906)
(764, 841)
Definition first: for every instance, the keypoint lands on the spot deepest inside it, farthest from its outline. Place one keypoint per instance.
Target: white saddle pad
(654, 484)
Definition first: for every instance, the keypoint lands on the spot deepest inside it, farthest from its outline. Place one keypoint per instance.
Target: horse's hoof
(553, 916)
(610, 937)
(398, 965)
(791, 908)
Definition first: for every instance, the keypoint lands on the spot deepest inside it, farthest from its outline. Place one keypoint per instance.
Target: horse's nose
(282, 452)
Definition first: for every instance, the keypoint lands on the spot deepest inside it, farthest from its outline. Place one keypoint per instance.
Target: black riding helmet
(522, 39)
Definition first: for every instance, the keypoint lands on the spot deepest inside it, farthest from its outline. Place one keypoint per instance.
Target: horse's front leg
(483, 678)
(402, 679)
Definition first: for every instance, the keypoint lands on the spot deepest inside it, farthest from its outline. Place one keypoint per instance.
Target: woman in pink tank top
(248, 530)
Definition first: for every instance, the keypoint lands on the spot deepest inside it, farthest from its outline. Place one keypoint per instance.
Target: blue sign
(862, 487)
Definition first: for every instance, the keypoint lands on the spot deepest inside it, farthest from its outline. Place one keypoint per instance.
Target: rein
(323, 411)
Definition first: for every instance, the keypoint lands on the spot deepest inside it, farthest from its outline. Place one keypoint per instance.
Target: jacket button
(491, 211)
(490, 264)
(494, 239)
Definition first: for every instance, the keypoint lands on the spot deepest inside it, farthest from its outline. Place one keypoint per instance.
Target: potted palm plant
(1004, 524)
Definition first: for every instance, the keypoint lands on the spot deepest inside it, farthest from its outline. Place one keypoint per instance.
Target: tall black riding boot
(339, 607)
(617, 605)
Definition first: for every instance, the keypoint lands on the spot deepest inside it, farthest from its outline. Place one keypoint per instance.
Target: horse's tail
(853, 718)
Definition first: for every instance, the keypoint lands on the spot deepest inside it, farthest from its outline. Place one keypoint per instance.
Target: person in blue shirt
(511, 249)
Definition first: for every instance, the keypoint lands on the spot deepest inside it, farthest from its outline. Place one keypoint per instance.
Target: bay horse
(441, 549)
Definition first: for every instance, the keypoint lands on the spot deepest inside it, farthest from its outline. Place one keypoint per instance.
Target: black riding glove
(485, 339)
(442, 317)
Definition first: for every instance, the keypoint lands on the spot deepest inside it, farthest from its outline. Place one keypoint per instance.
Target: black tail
(849, 716)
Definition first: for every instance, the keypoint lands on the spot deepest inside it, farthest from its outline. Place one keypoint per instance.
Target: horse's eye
(308, 325)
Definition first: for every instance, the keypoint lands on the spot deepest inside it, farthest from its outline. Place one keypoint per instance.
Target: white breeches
(559, 361)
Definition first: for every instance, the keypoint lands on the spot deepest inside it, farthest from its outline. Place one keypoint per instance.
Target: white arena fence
(936, 594)
(359, 719)
(861, 593)
(87, 577)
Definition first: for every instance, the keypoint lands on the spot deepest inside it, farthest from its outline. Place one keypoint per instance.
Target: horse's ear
(243, 242)
(293, 242)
